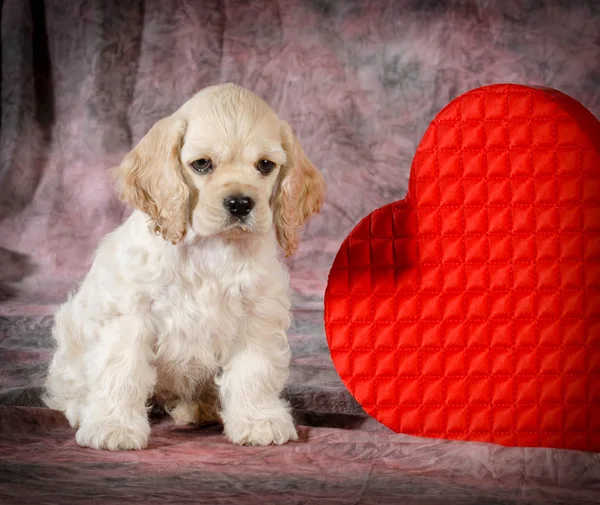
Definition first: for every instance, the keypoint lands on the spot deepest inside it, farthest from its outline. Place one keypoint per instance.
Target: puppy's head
(222, 164)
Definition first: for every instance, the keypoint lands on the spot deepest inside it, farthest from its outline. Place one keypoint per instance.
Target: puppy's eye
(203, 165)
(265, 166)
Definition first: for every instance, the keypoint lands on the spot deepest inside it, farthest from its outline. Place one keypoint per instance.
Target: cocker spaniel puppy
(187, 302)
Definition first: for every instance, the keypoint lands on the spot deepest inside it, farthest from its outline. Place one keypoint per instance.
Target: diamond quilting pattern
(471, 309)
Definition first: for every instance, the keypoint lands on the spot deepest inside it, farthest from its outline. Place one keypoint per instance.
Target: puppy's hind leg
(122, 377)
(203, 410)
(66, 387)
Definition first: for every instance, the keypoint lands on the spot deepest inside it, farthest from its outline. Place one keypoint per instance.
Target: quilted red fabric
(471, 309)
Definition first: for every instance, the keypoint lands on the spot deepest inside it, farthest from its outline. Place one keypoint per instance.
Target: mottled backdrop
(359, 82)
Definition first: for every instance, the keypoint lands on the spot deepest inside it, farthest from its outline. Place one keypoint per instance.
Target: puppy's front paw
(276, 429)
(115, 436)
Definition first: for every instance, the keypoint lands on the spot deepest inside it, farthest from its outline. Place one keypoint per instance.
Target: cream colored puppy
(187, 301)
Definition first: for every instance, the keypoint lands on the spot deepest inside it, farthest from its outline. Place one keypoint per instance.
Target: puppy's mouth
(236, 228)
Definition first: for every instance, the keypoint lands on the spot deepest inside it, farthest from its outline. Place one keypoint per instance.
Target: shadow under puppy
(188, 300)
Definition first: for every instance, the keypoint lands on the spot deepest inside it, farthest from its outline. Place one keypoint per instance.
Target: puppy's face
(232, 155)
(223, 164)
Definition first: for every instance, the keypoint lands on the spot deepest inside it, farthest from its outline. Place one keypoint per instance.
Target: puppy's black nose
(238, 205)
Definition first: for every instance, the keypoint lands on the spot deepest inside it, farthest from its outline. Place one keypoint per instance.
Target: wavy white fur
(184, 304)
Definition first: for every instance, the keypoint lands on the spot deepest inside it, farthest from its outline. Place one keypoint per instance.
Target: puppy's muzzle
(238, 206)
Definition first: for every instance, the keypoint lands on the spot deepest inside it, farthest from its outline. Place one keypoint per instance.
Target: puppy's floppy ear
(300, 193)
(150, 178)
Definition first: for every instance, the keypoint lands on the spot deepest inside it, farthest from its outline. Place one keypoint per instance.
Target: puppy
(187, 302)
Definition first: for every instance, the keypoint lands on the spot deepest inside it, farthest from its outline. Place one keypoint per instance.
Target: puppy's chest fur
(198, 317)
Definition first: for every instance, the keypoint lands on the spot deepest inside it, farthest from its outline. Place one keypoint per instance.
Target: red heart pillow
(471, 309)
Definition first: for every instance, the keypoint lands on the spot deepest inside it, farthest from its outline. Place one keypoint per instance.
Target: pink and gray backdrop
(82, 81)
